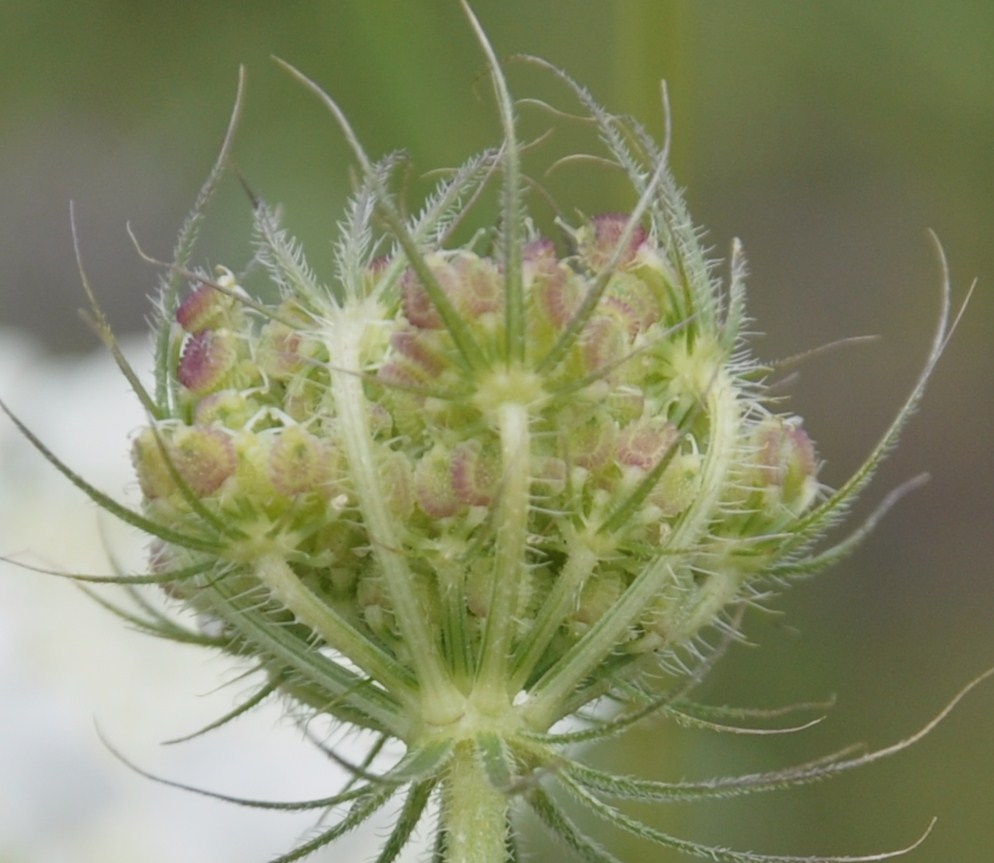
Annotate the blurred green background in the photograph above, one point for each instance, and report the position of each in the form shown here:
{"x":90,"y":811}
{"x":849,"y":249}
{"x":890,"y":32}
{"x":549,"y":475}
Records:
{"x":828,"y":136}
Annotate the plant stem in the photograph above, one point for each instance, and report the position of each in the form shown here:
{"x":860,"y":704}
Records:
{"x":509,"y":566}
{"x":474,"y":812}
{"x":442,"y":701}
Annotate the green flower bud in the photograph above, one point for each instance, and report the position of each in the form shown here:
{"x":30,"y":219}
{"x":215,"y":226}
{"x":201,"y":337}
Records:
{"x":298,"y":462}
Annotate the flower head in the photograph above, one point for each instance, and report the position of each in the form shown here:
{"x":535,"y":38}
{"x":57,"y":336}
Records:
{"x":461,"y":493}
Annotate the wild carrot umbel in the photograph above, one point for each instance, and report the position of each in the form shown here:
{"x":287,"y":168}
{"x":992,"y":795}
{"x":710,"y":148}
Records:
{"x":460,"y":494}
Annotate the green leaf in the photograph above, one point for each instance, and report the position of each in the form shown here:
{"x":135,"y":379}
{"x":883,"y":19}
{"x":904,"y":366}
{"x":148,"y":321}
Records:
{"x":254,"y":700}
{"x":712,"y":852}
{"x":284,"y":258}
{"x":407,"y":821}
{"x":563,"y":828}
{"x":497,"y":760}
{"x":334,"y":679}
{"x":832,"y":510}
{"x":657,"y":791}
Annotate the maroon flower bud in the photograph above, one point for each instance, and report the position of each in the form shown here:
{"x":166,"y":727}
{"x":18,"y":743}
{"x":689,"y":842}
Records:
{"x":201,"y":309}
{"x":207,"y":358}
{"x":476,"y":286}
{"x":643,"y":443}
{"x":418,"y":308}
{"x":558,"y":293}
{"x":597,"y":242}
{"x":475,"y":473}
{"x":633,"y":301}
{"x":604,"y":342}
{"x":417,"y":348}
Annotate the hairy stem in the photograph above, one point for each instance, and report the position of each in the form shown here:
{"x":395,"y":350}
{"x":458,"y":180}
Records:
{"x":442,"y":701}
{"x":474,"y":812}
{"x":509,"y":566}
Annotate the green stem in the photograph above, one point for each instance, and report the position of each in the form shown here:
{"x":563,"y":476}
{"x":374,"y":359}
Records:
{"x":555,"y":609}
{"x":274,"y":572}
{"x":510,"y":558}
{"x":474,"y":812}
{"x":442,"y":702}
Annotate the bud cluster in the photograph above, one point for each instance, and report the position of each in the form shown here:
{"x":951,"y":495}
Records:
{"x":638,"y":430}
{"x":462,"y":493}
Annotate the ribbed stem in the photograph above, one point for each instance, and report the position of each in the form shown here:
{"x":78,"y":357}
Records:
{"x":556,"y":608}
{"x":510,"y":557}
{"x":442,"y":702}
{"x":474,"y":812}
{"x":274,"y":572}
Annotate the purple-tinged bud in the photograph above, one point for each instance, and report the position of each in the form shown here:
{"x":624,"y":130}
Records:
{"x":202,"y":309}
{"x":598,"y":241}
{"x":786,"y":464}
{"x":558,"y":294}
{"x":634,"y":301}
{"x":416,"y":346}
{"x":207,"y":307}
{"x":604,"y":342}
{"x":476,"y":287}
{"x":433,"y":485}
{"x":207,"y":358}
{"x":418,"y":308}
{"x":298,"y":462}
{"x":643,"y":443}
{"x":399,"y":374}
{"x":538,"y":258}
{"x":475,"y":473}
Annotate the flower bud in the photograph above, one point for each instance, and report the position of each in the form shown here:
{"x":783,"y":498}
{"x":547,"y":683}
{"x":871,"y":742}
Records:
{"x":785,"y":466}
{"x":208,"y":358}
{"x":597,"y":242}
{"x":462,"y":492}
{"x":279,"y":351}
{"x":204,"y":457}
{"x":475,"y":473}
{"x":298,"y":462}
{"x":433,"y":484}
